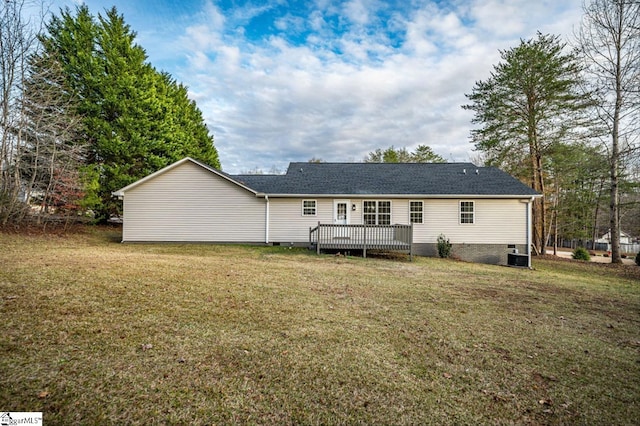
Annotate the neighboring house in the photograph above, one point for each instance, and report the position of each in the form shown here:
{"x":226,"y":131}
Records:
{"x":624,"y":238}
{"x":627,"y":243}
{"x":484,"y":212}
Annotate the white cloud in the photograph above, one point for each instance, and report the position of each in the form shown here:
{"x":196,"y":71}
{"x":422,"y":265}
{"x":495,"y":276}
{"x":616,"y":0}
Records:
{"x":290,"y":23}
{"x":339,"y":79}
{"x":503,"y":17}
{"x":522,"y":18}
{"x":275,"y":102}
{"x":357,"y":12}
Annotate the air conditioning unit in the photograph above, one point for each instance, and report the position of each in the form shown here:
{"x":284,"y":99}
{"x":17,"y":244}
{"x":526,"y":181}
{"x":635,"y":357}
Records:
{"x":516,"y":259}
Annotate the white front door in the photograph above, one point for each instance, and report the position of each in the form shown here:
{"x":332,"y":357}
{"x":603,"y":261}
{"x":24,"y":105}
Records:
{"x":341,"y":212}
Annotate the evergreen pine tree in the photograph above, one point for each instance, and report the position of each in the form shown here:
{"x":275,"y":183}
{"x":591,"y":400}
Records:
{"x":531,"y":102}
{"x":136,"y":120}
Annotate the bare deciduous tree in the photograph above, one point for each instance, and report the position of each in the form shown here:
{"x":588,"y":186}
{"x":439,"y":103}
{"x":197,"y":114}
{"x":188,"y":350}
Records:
{"x":51,"y":156}
{"x":531,"y":104}
{"x":609,"y":39}
{"x":36,"y":119}
{"x":17,"y":40}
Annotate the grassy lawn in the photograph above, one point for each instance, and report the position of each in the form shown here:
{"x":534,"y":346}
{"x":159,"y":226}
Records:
{"x":93,"y":331}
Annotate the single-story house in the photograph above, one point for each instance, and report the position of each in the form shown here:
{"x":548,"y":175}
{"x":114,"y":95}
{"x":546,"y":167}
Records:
{"x":627,"y":243}
{"x":484,"y":212}
{"x":624,"y":238}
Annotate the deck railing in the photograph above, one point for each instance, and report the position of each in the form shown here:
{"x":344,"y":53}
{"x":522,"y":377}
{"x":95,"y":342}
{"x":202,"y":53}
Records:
{"x":362,"y":237}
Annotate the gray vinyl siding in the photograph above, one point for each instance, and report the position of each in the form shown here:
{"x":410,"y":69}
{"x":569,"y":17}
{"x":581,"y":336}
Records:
{"x":189,"y":203}
{"x":400,"y":212}
{"x":497,"y":221}
{"x":287,"y":224}
{"x":356,"y":216}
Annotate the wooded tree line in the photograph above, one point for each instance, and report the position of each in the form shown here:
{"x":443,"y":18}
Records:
{"x":565,"y":119}
{"x":83,"y":113}
{"x":422,"y":154}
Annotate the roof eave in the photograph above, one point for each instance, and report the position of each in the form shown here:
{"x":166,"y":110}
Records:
{"x":442,"y":196}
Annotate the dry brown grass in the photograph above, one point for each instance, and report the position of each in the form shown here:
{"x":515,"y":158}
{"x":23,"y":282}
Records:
{"x":94,"y":331}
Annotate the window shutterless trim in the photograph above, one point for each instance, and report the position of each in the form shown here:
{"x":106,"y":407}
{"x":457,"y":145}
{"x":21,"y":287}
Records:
{"x":311,"y":209}
{"x":419,"y":211}
{"x":375,"y":214}
{"x":466,"y":212}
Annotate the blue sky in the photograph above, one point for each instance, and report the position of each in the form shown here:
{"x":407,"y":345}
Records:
{"x":288,"y":80}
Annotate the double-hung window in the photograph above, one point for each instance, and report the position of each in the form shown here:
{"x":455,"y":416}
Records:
{"x":308,"y":207}
{"x":415,"y":211}
{"x":377,"y":212}
{"x":467,"y":212}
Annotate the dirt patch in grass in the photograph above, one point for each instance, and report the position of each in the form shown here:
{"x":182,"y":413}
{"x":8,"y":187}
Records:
{"x":100,"y":332}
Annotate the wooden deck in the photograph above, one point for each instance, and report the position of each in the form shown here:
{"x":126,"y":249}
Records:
{"x":362,"y":237}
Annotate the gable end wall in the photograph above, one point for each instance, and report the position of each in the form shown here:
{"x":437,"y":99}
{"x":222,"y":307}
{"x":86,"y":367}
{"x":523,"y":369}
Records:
{"x":191,"y":204}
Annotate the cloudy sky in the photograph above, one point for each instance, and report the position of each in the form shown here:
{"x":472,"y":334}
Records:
{"x":289,"y":80}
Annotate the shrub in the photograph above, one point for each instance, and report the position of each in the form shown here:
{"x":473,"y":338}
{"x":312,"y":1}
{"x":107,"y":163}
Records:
{"x":638,"y":259}
{"x":581,"y":253}
{"x":444,"y":246}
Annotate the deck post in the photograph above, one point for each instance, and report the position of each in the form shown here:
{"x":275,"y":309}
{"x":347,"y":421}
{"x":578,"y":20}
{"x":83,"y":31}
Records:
{"x":318,"y":238}
{"x":411,"y":243}
{"x":364,"y":241}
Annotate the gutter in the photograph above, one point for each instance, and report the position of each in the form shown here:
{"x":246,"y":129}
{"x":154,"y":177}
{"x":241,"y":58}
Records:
{"x":528,"y":232}
{"x":403,"y":196}
{"x":266,"y":219}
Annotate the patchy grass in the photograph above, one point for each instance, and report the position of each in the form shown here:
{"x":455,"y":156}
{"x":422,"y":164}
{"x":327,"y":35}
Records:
{"x":94,"y":331}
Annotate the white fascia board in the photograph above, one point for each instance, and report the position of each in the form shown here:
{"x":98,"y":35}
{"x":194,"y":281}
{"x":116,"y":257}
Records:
{"x":430,"y":196}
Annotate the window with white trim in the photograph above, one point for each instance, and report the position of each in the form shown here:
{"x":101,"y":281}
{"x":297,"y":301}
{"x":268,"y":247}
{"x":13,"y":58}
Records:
{"x":415,"y":211}
{"x":309,"y":207}
{"x":467,"y":212}
{"x":377,"y":212}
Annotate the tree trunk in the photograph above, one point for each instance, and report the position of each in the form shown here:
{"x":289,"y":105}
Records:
{"x":614,"y":205}
{"x":615,"y":152}
{"x":595,"y":215}
{"x":543,"y":204}
{"x":554,"y":219}
{"x":536,"y":211}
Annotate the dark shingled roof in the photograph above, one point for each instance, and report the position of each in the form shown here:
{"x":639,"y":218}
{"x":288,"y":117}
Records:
{"x":437,"y":179}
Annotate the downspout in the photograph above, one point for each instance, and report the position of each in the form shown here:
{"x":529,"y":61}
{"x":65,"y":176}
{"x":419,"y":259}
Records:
{"x":529,"y":203}
{"x":266,"y":220}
